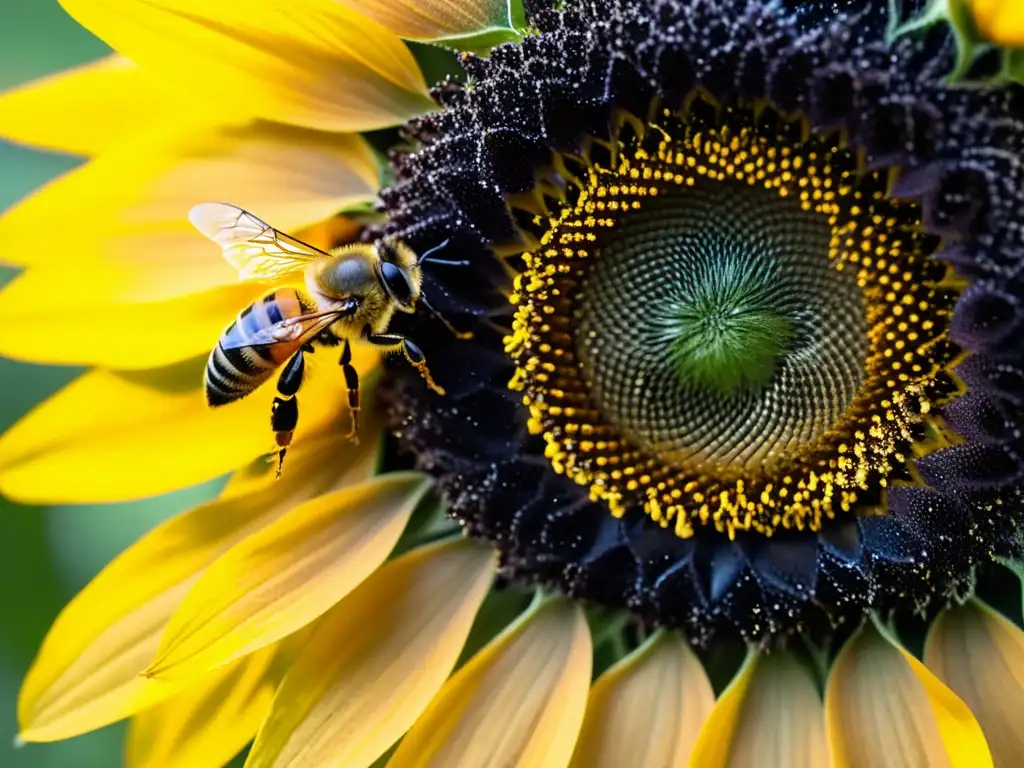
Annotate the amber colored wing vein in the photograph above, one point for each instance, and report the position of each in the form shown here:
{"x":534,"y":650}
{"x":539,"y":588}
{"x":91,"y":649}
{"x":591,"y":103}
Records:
{"x":297,"y":330}
{"x":250,"y":245}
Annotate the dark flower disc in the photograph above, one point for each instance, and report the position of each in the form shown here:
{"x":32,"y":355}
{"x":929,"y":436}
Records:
{"x":745,"y":292}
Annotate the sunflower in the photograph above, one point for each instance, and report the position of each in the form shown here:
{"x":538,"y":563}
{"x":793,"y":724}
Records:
{"x":727,"y":469}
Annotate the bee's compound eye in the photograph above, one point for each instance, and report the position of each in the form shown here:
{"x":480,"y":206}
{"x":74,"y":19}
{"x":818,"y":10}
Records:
{"x":396,"y":283}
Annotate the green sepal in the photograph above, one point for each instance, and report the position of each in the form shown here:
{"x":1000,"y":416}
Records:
{"x":429,"y":524}
{"x":1016,"y":565}
{"x":970,"y":43}
{"x":817,"y":659}
{"x":500,"y":608}
{"x":1013,"y":65}
{"x":912,"y":641}
{"x":480,"y":42}
{"x":517,"y":15}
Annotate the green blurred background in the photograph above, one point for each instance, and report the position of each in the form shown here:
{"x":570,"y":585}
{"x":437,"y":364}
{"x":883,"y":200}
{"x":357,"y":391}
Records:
{"x":48,"y":554}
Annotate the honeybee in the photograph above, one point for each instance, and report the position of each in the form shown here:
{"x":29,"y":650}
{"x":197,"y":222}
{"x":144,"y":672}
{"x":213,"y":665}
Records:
{"x":353,"y":292}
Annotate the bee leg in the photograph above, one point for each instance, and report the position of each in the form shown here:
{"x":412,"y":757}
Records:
{"x":411,"y":352}
{"x":352,"y":384}
{"x":284,"y":414}
{"x":417,"y":360}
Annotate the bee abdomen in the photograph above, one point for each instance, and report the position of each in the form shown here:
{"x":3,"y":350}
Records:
{"x":235,"y":367}
{"x":232,"y":374}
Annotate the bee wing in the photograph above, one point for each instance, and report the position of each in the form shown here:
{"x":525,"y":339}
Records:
{"x":253,"y":247}
{"x":296,"y":330}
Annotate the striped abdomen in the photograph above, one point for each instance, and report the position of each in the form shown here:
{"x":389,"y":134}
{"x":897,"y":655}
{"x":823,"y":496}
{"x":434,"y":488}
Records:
{"x":236,"y":366}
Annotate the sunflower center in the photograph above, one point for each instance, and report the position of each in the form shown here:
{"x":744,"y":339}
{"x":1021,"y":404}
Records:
{"x":711,"y":327}
{"x":728,"y":323}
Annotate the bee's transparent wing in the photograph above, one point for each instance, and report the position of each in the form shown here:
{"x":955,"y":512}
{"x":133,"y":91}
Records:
{"x":253,"y":247}
{"x":296,"y":330}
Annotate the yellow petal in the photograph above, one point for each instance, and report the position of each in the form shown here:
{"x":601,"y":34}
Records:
{"x":376,"y":660}
{"x":646,"y":710}
{"x":100,"y":324}
{"x":518,"y":703}
{"x":112,"y":436}
{"x":883,"y":707}
{"x":92,"y":330}
{"x":770,"y":715}
{"x":128,"y":208}
{"x":209,"y":723}
{"x":290,"y":573}
{"x":434,"y":19}
{"x":980,"y":655}
{"x":313,"y":63}
{"x":1001,"y":21}
{"x":88,"y":671}
{"x":324,"y":462}
{"x":90,"y":109}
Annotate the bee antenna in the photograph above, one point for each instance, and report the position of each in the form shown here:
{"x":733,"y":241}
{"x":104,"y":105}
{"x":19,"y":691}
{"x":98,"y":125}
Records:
{"x":455,"y":331}
{"x":448,"y":262}
{"x":435,"y":249}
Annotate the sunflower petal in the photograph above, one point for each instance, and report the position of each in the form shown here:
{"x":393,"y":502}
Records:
{"x":883,"y":707}
{"x":646,"y":710}
{"x":93,"y":330}
{"x":129,"y":207}
{"x":518,"y":702}
{"x":1000,"y":21}
{"x":209,"y":723}
{"x":980,"y":655}
{"x":88,"y":671}
{"x":435,"y":19}
{"x":770,"y":715}
{"x":112,"y":436}
{"x":376,"y":660}
{"x":313,"y":63}
{"x":82,"y":110}
{"x":290,"y":573}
